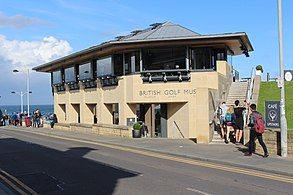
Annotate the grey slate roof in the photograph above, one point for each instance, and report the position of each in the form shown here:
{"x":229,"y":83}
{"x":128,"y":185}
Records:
{"x":161,"y":31}
{"x":166,"y":31}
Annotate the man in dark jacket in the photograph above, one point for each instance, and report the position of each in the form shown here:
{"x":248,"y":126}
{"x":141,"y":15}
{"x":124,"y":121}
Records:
{"x":254,"y":134}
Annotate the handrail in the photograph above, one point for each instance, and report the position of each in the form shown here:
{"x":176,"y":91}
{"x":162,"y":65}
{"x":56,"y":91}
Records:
{"x":251,"y":82}
{"x":213,"y":100}
{"x":249,"y":93}
{"x":179,"y":129}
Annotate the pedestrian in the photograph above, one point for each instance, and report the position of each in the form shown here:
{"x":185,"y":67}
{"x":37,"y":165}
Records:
{"x":239,"y":121}
{"x":1,"y":118}
{"x":53,"y":120}
{"x":34,"y":119}
{"x":144,"y":130}
{"x":14,"y":119}
{"x":230,"y":122}
{"x":20,"y":118}
{"x":221,"y":112}
{"x":257,"y":127}
{"x":38,"y":117}
{"x":6,"y":118}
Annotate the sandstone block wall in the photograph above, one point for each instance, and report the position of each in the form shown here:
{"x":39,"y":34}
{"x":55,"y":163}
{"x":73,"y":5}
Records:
{"x":272,"y":140}
{"x":100,"y":129}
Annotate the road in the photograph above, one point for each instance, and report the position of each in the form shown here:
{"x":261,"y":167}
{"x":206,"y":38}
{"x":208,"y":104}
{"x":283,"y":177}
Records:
{"x":53,"y":165}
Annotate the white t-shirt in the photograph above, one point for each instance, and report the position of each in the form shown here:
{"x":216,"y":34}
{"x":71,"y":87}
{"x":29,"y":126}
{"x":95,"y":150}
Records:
{"x":224,"y":108}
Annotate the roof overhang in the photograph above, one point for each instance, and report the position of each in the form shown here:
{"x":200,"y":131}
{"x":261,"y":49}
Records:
{"x":238,"y":43}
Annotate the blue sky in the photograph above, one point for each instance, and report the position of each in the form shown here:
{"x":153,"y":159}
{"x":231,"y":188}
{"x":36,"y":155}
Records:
{"x":34,"y":32}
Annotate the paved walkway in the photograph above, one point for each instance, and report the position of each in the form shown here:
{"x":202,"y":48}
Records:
{"x":225,"y":154}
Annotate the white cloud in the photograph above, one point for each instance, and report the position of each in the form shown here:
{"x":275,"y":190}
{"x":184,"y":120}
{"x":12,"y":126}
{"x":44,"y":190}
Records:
{"x":32,"y":53}
{"x":19,"y":21}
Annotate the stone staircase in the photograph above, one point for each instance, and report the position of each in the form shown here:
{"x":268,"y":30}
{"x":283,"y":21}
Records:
{"x":217,"y":138}
{"x":237,"y":91}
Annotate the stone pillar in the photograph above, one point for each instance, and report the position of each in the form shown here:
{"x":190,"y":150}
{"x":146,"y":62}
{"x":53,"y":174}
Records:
{"x":126,"y":111}
{"x":200,"y":116}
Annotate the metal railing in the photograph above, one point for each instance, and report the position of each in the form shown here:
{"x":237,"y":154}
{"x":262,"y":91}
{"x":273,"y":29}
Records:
{"x":165,"y":75}
{"x":250,"y":88}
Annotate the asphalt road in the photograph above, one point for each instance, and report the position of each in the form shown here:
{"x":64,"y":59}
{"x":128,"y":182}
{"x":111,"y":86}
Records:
{"x":58,"y":166}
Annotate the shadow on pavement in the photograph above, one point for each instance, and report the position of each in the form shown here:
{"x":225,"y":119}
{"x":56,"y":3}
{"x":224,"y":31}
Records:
{"x":49,"y":171}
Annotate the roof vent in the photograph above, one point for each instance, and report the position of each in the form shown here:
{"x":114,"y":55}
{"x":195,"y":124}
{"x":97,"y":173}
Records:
{"x":119,"y":37}
{"x":136,"y":31}
{"x":155,"y":25}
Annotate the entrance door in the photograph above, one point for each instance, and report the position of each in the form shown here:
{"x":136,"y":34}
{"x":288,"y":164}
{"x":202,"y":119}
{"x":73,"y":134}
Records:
{"x":160,"y":111}
{"x":155,"y":118}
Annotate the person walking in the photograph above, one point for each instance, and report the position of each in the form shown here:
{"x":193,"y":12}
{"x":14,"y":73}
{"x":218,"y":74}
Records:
{"x":230,"y":122}
{"x":256,"y":124}
{"x":239,"y":121}
{"x":54,"y":120}
{"x":144,"y":130}
{"x":222,"y":110}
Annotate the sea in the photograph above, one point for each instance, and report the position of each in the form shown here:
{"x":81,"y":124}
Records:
{"x":10,"y":109}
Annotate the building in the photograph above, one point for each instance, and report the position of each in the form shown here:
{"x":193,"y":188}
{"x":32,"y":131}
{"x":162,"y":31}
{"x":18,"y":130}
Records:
{"x":166,"y":75}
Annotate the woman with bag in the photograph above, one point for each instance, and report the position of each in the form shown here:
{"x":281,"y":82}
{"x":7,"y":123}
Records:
{"x":230,"y":121}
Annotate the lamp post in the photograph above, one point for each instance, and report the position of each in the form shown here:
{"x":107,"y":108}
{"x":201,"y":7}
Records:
{"x":282,"y":102}
{"x":27,"y":89}
{"x":21,"y":94}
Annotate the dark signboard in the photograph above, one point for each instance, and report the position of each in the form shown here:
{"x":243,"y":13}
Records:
{"x":288,"y":75}
{"x":272,"y":113}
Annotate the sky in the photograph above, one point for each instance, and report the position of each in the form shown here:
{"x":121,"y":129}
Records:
{"x":34,"y":32}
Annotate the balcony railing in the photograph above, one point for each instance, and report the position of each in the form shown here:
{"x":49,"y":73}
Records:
{"x":72,"y":85}
{"x":165,"y":75}
{"x":108,"y":80}
{"x":59,"y":87}
{"x":89,"y":83}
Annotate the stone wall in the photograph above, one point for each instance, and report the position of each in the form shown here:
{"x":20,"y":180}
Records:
{"x":272,"y":140}
{"x":112,"y":130}
{"x":100,"y":129}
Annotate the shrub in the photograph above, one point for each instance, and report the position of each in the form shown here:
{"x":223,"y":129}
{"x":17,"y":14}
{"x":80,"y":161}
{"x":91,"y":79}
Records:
{"x":259,"y":67}
{"x":136,"y":126}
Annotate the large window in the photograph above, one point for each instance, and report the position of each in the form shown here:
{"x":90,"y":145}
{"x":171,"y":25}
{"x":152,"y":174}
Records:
{"x":70,"y":75}
{"x":118,"y":64}
{"x":201,"y":58}
{"x":132,"y":62}
{"x":115,"y":113}
{"x":206,"y":58}
{"x":164,"y":58}
{"x":85,"y":71}
{"x":104,"y":66}
{"x":56,"y":77}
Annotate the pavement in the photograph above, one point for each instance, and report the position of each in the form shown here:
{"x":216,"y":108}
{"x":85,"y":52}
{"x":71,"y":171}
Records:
{"x":229,"y":154}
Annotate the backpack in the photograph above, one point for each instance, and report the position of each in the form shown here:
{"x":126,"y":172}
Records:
{"x":259,"y":124}
{"x":219,"y":111}
{"x":228,"y":117}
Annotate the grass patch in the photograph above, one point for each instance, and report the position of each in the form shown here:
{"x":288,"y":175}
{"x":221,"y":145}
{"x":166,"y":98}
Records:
{"x":270,"y":91}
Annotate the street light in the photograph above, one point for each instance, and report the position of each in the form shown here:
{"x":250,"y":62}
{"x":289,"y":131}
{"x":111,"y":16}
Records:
{"x":21,"y":94}
{"x":284,"y":148}
{"x":27,"y":89}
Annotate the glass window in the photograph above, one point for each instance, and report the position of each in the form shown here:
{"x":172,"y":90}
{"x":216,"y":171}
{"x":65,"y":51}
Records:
{"x":85,"y":71}
{"x":70,"y":75}
{"x":104,"y":66}
{"x":164,"y":58}
{"x":118,"y":64}
{"x":127,"y":63}
{"x":57,"y":77}
{"x":201,"y":58}
{"x":136,"y":59}
{"x":115,"y":113}
{"x":221,"y":54}
{"x":132,"y":62}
